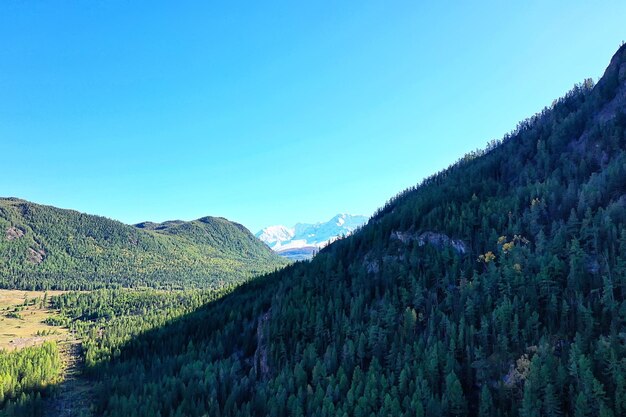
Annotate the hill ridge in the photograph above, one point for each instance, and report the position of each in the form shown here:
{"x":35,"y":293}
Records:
{"x":63,"y":248}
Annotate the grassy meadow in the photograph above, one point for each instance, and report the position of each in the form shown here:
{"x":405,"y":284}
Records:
{"x":22,"y":319}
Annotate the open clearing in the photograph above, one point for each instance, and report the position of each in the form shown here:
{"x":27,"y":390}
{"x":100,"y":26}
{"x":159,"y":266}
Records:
{"x":21,"y":319}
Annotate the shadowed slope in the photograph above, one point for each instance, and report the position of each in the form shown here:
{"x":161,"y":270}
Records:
{"x":44,"y":247}
{"x":495,"y":287}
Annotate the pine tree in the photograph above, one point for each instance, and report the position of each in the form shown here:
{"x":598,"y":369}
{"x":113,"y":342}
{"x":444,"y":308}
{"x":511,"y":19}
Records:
{"x":454,"y":395}
{"x":581,"y":406}
{"x":485,"y":408}
{"x":551,"y":404}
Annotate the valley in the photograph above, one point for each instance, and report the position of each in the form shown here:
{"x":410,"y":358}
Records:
{"x":495,"y":287}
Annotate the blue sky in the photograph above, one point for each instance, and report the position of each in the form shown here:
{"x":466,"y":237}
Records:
{"x":272,"y":112}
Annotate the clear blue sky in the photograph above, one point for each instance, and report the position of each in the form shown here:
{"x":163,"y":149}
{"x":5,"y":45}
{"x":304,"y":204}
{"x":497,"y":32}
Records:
{"x":272,"y":112}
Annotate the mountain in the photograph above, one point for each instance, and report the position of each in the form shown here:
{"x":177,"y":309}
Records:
{"x":496,"y":287}
{"x":45,"y":247}
{"x":304,"y":239}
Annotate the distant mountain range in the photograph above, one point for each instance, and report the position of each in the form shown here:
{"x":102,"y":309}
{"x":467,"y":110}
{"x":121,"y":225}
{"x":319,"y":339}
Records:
{"x":304,"y":239}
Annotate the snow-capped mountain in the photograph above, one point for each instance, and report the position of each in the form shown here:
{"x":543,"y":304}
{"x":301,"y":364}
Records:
{"x":272,"y":235}
{"x":304,"y":239}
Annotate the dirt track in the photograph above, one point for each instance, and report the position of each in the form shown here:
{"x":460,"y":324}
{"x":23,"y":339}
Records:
{"x":73,"y":395}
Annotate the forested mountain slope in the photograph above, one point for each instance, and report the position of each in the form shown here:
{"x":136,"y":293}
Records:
{"x":494,"y":288}
{"x":43,"y":247}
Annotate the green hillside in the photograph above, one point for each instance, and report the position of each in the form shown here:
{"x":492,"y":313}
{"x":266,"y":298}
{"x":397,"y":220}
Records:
{"x":493,"y":288}
{"x":43,"y":247}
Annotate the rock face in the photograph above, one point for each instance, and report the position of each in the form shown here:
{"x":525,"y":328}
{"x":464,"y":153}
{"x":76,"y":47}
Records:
{"x":35,"y":256}
{"x":439,"y":240}
{"x":14,"y":233}
{"x":614,"y":79}
{"x":261,"y":366}
{"x":436,"y":239}
{"x":612,"y":89}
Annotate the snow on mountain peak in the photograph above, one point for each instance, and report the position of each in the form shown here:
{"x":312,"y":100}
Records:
{"x":305,"y":238}
{"x":275,"y":234}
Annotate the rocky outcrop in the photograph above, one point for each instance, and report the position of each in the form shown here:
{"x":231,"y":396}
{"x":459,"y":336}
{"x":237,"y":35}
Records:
{"x":612,"y":86}
{"x":14,"y":233}
{"x":35,"y":256}
{"x":261,"y":366}
{"x":439,"y":240}
{"x":614,"y":81}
